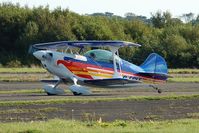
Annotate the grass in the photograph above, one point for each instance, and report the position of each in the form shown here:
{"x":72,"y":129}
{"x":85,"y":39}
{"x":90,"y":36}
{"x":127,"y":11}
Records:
{"x":86,"y":100}
{"x":184,"y":79}
{"x":22,"y":91}
{"x":22,"y":70}
{"x":17,"y":114}
{"x":193,"y":115}
{"x":15,"y":111}
{"x":184,"y":71}
{"x":118,"y":126}
{"x":29,"y":78}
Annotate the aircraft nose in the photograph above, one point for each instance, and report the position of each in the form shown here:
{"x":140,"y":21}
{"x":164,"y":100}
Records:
{"x":40,"y":55}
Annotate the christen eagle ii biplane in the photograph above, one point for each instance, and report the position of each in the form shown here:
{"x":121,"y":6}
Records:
{"x":97,"y":67}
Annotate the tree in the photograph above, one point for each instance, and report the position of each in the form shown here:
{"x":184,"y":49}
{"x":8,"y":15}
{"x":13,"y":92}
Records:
{"x":129,"y":15}
{"x":168,"y":36}
{"x":157,"y":20}
{"x":188,"y":17}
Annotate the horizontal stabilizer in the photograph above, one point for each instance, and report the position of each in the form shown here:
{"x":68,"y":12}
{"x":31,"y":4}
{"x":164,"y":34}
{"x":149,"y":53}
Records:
{"x":158,"y":76}
{"x":109,"y":82}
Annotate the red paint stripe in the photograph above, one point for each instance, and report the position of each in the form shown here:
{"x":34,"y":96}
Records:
{"x":84,"y":76}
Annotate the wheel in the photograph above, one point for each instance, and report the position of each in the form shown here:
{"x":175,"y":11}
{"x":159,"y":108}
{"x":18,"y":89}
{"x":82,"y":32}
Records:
{"x":159,"y":91}
{"x":77,"y":94}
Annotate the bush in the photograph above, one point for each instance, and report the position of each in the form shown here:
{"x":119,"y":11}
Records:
{"x":14,"y":63}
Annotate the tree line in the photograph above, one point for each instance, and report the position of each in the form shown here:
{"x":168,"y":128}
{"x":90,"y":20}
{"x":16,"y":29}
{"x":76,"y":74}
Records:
{"x":176,"y":40}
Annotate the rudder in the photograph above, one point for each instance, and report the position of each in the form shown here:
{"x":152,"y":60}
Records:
{"x":155,"y":64}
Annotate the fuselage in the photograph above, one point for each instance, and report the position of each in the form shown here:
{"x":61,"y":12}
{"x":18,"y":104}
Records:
{"x":87,"y":67}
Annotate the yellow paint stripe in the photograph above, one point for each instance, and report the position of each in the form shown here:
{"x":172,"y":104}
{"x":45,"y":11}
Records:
{"x":100,"y":70}
{"x":80,"y":72}
{"x":101,"y":75}
{"x":93,"y":74}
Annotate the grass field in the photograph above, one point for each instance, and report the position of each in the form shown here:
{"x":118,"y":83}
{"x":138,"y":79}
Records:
{"x":118,"y":126}
{"x":184,"y":71}
{"x":22,"y":70}
{"x":24,"y":78}
{"x":184,"y":79}
{"x":21,"y":91}
{"x":58,"y":126}
{"x":86,"y":100}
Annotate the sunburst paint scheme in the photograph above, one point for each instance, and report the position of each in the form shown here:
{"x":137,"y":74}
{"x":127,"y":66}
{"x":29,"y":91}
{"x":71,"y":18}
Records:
{"x":87,"y":68}
{"x":98,"y":67}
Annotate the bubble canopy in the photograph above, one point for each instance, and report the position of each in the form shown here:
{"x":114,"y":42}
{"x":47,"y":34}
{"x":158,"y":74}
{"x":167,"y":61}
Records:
{"x":101,"y":55}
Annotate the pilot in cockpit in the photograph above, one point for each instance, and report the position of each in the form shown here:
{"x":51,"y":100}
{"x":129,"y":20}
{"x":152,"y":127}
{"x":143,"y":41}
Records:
{"x":92,"y":55}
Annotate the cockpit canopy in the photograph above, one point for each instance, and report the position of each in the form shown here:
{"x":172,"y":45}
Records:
{"x":101,"y":55}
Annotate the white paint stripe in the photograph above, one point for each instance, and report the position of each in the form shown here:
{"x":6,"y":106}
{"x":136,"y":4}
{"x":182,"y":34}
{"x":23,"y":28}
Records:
{"x":91,"y":68}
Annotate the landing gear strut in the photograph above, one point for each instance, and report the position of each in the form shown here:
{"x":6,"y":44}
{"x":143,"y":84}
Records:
{"x":156,"y":88}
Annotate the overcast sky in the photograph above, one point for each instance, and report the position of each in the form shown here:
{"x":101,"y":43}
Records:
{"x":118,"y":7}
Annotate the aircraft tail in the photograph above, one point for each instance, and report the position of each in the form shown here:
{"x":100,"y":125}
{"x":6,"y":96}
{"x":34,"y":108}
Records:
{"x":155,"y":67}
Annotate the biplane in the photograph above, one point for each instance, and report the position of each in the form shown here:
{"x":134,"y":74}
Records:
{"x":96,"y":67}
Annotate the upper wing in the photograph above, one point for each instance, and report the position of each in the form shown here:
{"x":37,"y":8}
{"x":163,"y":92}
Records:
{"x":80,"y":44}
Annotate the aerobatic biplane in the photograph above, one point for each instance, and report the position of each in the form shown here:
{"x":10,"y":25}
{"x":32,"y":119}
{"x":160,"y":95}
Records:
{"x":97,"y":67}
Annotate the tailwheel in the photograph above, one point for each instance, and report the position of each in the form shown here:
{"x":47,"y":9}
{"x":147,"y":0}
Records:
{"x":159,"y":91}
{"x":156,"y":88}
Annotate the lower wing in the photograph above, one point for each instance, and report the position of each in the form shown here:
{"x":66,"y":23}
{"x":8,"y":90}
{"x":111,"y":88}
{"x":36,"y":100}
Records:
{"x":111,"y":82}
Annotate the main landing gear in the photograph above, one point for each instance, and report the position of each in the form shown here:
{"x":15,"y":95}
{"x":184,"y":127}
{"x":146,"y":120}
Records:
{"x":156,"y":88}
{"x":53,"y":90}
{"x":78,"y":89}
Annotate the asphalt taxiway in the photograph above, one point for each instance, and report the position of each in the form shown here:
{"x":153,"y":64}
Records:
{"x":107,"y":110}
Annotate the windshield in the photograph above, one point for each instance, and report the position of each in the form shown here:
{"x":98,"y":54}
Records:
{"x":100,"y":55}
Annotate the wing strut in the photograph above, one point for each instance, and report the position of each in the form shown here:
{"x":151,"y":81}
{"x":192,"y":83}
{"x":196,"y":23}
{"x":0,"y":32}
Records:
{"x":116,"y":73}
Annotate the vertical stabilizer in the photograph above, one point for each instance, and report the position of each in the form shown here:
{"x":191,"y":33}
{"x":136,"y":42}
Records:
{"x":155,"y":67}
